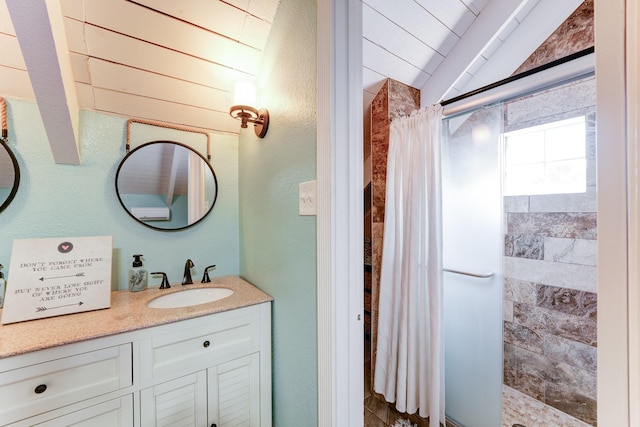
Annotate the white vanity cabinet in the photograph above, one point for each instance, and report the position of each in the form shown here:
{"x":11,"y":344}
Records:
{"x":209,"y":373}
{"x":203,"y":371}
{"x":223,"y":395}
{"x":47,"y":380}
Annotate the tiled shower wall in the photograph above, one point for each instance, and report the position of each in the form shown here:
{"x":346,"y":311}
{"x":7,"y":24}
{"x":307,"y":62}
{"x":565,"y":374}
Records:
{"x":393,"y":100}
{"x":550,"y":300}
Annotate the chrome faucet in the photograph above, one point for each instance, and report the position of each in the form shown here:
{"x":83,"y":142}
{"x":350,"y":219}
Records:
{"x":186,"y":279}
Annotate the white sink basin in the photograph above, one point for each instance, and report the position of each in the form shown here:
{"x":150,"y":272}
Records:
{"x":190,"y":297}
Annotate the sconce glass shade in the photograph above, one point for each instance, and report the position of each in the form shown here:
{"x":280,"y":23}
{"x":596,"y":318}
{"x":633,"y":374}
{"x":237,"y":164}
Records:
{"x":244,"y":93}
{"x":244,"y":98}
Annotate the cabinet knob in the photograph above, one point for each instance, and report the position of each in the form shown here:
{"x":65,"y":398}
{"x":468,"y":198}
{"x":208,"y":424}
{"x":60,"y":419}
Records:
{"x":206,"y":344}
{"x":214,"y":425}
{"x":41,"y":388}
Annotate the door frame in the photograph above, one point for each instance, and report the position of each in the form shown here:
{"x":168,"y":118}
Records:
{"x":340,"y":221}
{"x":340,"y":214}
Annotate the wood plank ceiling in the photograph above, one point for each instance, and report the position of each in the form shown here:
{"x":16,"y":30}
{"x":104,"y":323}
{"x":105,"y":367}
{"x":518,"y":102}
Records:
{"x":153,"y":59}
{"x":446,"y":48}
{"x":450,"y":47}
{"x":177,"y":61}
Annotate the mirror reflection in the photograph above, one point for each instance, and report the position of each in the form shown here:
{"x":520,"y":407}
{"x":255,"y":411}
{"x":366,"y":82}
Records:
{"x":166,"y":185}
{"x":9,"y":175}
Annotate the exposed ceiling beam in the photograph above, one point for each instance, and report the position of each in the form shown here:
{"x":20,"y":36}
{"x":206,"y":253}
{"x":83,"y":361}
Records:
{"x":173,"y":174}
{"x":486,"y":28}
{"x":40,"y":31}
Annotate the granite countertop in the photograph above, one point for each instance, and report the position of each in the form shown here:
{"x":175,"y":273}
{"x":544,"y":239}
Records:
{"x":128,"y":312}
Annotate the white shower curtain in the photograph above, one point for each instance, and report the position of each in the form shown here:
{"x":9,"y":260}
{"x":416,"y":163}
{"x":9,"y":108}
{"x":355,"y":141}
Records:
{"x":409,"y":368}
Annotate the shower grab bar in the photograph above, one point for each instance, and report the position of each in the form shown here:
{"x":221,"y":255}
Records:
{"x":467,"y":273}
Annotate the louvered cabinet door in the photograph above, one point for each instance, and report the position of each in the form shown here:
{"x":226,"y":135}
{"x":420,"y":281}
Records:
{"x":234,"y":392}
{"x":179,"y":402}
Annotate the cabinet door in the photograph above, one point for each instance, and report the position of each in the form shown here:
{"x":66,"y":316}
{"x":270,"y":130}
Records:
{"x":234,"y":393}
{"x":182,"y":402}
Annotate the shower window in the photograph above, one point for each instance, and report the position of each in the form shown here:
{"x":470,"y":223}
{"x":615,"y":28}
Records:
{"x":546,"y":159}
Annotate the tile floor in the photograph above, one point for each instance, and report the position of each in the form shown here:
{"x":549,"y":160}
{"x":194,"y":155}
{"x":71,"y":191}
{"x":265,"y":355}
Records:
{"x":517,"y":408}
{"x":377,"y":412}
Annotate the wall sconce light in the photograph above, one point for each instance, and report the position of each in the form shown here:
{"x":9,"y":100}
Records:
{"x":244,"y":98}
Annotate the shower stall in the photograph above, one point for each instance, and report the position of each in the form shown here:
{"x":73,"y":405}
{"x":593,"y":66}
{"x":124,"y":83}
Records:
{"x":519,"y":232}
{"x":519,"y":240}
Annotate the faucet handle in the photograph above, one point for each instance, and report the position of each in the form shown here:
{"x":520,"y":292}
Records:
{"x":165,"y":282}
{"x":205,"y":277}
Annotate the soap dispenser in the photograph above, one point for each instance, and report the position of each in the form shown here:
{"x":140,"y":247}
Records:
{"x":137,"y":275}
{"x":2,"y":285}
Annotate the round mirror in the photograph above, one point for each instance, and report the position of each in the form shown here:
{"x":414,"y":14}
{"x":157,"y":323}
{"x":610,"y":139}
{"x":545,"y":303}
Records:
{"x":166,"y":185}
{"x":9,"y":175}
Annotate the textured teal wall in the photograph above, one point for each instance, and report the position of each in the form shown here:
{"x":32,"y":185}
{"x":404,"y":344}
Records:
{"x":278,"y":247}
{"x":68,"y":200}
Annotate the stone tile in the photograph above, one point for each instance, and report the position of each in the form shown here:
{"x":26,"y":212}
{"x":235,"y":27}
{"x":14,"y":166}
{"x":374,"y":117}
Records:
{"x":378,"y":200}
{"x":575,"y":379}
{"x":379,"y":104}
{"x":379,"y":149}
{"x":570,"y":301}
{"x":570,"y":202}
{"x":542,"y":107}
{"x":377,"y":230}
{"x":507,"y":311}
{"x":542,"y":370}
{"x":591,"y":173}
{"x":520,"y":291}
{"x":530,"y":384}
{"x":516,"y":203}
{"x":528,"y":381}
{"x":509,"y":248}
{"x":571,"y":276}
{"x":572,"y":403}
{"x":377,"y":407}
{"x":572,"y":251}
{"x":556,"y":323}
{"x":523,"y":337}
{"x":403,"y":99}
{"x":571,"y":352}
{"x":532,"y":364}
{"x":510,"y":365}
{"x":573,"y":35}
{"x":370,"y":420}
{"x":522,"y":409}
{"x":554,"y":224}
{"x":524,"y":246}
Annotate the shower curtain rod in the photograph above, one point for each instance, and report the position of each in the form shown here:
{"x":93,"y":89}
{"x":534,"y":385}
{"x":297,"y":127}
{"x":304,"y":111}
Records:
{"x":570,"y":67}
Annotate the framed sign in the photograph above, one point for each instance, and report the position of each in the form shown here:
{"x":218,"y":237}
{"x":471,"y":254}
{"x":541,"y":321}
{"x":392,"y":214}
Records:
{"x":56,"y":276}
